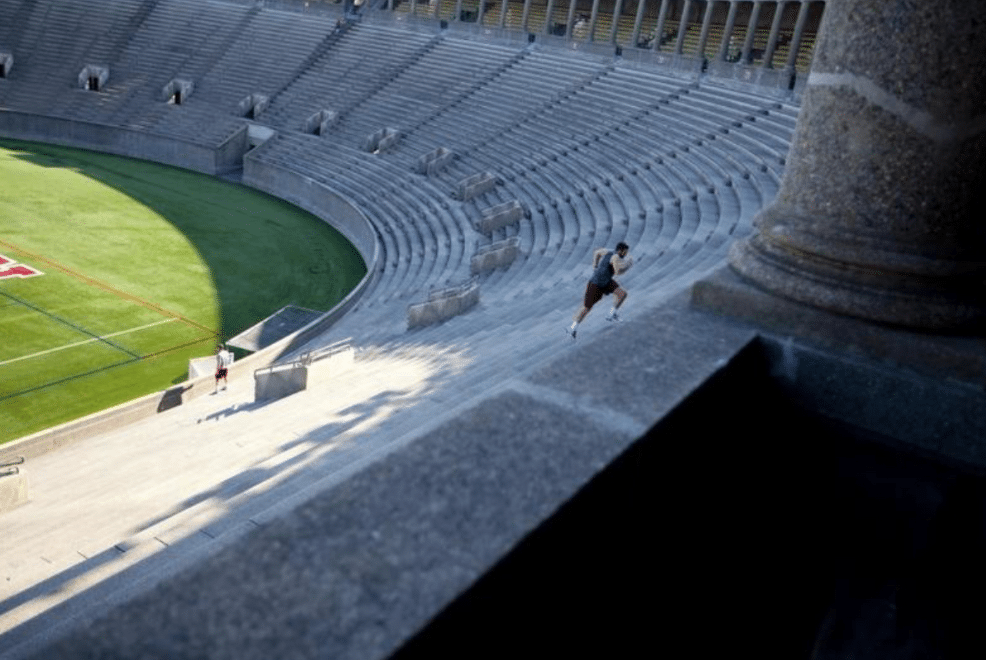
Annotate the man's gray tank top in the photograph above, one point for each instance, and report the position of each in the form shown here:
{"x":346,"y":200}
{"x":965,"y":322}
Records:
{"x":603,"y":274}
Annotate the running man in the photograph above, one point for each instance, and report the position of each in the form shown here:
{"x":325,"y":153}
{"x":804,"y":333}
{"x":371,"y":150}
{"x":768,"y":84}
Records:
{"x":606,"y":264}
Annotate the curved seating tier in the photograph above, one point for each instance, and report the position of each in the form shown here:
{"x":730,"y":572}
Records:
{"x":595,"y":150}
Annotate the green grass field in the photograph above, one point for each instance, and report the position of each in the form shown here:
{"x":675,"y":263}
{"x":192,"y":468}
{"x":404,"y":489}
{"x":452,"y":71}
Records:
{"x":144,"y":266}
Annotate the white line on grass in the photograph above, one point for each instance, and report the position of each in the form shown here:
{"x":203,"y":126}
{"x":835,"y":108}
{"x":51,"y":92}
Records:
{"x":85,"y":341}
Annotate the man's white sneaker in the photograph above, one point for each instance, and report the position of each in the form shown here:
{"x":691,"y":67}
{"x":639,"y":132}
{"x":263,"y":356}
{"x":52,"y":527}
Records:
{"x":570,"y":330}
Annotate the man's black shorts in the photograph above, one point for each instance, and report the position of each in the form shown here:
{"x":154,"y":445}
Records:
{"x":594,"y":294}
{"x":221,"y":372}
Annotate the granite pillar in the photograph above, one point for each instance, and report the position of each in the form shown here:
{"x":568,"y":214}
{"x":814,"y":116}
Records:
{"x":546,"y":29}
{"x":727,"y":32}
{"x":799,"y":31}
{"x":659,"y":27}
{"x":638,"y":21}
{"x":686,"y":11}
{"x":879,"y":212}
{"x":703,"y":38}
{"x":503,"y":13}
{"x":615,"y":26}
{"x":751,"y":33}
{"x":570,"y":20}
{"x":775,"y":31}
{"x":525,"y":15}
{"x":593,"y":17}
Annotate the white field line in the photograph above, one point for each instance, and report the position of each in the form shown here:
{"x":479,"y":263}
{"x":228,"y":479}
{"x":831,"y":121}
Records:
{"x":85,"y":341}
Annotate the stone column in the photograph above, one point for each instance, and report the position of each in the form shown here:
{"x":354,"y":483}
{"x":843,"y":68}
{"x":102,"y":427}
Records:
{"x":480,"y":11}
{"x":879,"y":214}
{"x":727,"y":31}
{"x":414,"y":7}
{"x":458,"y":11}
{"x":503,"y":13}
{"x":614,"y":28}
{"x":571,"y":19}
{"x":527,"y":12}
{"x":751,"y":33}
{"x":638,"y":22}
{"x":682,"y":26}
{"x":593,"y":15}
{"x":706,"y":25}
{"x":799,"y":31}
{"x":775,"y":31}
{"x":659,"y":28}
{"x":435,"y":12}
{"x":547,"y":17}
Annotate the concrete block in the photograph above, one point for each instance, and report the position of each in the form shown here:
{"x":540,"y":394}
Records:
{"x":13,"y":489}
{"x":203,"y":366}
{"x":177,"y":90}
{"x":381,"y":140}
{"x":443,"y":305}
{"x":93,"y":77}
{"x":501,"y":215}
{"x":495,"y":255}
{"x":278,"y":382}
{"x":434,"y":162}
{"x":320,"y":122}
{"x":253,"y":105}
{"x":476,"y":184}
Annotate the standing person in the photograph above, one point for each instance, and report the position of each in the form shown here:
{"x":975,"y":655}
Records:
{"x":223,"y":359}
{"x":606,"y":264}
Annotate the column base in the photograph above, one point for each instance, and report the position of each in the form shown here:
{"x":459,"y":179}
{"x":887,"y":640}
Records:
{"x":938,"y":304}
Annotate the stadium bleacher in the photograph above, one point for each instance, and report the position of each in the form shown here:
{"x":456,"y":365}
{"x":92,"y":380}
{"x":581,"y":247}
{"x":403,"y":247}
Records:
{"x":595,"y":148}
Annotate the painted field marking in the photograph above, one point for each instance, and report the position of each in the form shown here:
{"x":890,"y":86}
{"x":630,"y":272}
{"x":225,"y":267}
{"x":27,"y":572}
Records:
{"x":85,"y":341}
{"x":11,"y":268}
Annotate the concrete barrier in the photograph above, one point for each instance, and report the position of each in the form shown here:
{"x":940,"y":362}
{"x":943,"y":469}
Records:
{"x":279,"y":381}
{"x":433,"y":162}
{"x":207,"y":159}
{"x":13,"y":485}
{"x":476,"y":184}
{"x":495,"y":255}
{"x":93,"y":77}
{"x":499,"y":216}
{"x":381,"y":140}
{"x":320,"y":122}
{"x":252,"y":105}
{"x":442,"y":305}
{"x":177,"y":90}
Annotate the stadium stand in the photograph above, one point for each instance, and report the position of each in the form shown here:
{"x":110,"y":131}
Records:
{"x":592,"y":146}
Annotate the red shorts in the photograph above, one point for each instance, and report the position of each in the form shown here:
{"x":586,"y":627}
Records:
{"x":594,"y":294}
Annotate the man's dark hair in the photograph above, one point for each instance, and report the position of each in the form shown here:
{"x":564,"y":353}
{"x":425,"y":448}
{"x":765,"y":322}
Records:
{"x":622,"y":246}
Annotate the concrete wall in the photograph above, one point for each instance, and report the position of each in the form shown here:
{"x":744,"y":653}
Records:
{"x":123,"y":142}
